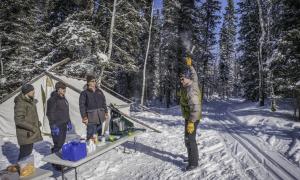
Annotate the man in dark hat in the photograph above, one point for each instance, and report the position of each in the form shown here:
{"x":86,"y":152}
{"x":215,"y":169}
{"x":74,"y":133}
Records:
{"x":190,"y":102}
{"x":58,"y":116}
{"x":93,"y":109}
{"x":26,"y":120}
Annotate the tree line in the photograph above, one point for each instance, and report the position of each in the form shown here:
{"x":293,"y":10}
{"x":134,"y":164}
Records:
{"x":250,"y":48}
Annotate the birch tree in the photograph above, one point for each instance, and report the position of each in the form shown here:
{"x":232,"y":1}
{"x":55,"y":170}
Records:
{"x":146,"y":57}
{"x":269,"y":48}
{"x":2,"y":78}
{"x":110,"y":39}
{"x":1,"y":62}
{"x":260,"y":54}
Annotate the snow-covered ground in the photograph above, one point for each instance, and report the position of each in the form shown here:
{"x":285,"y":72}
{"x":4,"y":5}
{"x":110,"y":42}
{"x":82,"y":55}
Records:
{"x":236,"y":140}
{"x":277,"y":129}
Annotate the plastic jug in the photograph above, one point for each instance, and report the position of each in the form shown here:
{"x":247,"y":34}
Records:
{"x":74,"y":151}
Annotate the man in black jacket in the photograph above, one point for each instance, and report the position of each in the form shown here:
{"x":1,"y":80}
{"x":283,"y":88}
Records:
{"x":58,"y":116}
{"x":93,"y":109}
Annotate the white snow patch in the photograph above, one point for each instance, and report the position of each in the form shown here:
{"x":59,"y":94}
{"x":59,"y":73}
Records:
{"x":102,"y":57}
{"x":272,"y":140}
{"x":2,"y":80}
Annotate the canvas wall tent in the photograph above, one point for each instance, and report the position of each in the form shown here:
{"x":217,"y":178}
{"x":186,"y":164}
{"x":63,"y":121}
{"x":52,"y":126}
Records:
{"x":43,"y":85}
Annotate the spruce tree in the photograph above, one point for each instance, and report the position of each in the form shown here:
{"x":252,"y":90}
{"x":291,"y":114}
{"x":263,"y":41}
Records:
{"x":286,"y":55}
{"x":76,"y":38}
{"x":169,"y":50}
{"x":227,"y":54}
{"x":210,"y":18}
{"x":249,"y":34}
{"x":19,"y":29}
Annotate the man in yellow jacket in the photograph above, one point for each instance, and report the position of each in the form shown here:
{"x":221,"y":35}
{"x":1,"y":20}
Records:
{"x":191,"y":105}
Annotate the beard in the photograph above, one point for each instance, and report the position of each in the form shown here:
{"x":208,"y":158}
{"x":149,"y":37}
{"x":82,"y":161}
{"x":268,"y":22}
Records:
{"x":31,"y":97}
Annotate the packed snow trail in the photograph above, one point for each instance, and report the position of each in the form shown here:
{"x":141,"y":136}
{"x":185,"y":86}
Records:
{"x":273,"y":161}
{"x":275,"y":165}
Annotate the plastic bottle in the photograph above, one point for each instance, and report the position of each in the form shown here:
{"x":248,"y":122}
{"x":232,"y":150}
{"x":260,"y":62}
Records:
{"x":91,"y":147}
{"x":96,"y":139}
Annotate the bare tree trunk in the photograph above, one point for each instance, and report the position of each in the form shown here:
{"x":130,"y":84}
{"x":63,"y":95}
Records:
{"x":1,"y":62}
{"x":272,"y":92}
{"x":146,"y":58}
{"x":110,"y":39}
{"x":260,"y":65}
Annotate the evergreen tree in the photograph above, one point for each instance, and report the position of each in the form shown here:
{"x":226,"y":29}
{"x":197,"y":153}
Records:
{"x":249,"y":34}
{"x":227,"y":54}
{"x":197,"y":39}
{"x":285,"y":58}
{"x":185,"y":24}
{"x":20,"y":28}
{"x":210,"y":18}
{"x":155,"y":65}
{"x":169,"y":51}
{"x":237,"y":81}
{"x":77,"y":38}
{"x":129,"y":43}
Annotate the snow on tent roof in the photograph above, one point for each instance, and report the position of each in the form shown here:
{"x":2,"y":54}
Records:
{"x":44,"y":85}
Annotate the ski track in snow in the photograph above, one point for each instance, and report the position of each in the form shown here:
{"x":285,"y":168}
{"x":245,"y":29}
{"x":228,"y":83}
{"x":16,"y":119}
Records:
{"x":227,"y":150}
{"x":272,"y":161}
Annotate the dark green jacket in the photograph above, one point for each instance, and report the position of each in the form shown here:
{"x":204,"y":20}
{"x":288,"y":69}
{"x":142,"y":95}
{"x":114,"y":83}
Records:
{"x":26,"y":120}
{"x":191,"y":99}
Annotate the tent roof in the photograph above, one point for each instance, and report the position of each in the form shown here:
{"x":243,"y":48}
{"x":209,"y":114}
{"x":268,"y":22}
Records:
{"x":75,"y":86}
{"x":42,"y":90}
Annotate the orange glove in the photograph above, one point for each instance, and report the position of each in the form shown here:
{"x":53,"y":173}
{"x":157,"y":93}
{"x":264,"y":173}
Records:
{"x":190,"y":127}
{"x":189,"y":61}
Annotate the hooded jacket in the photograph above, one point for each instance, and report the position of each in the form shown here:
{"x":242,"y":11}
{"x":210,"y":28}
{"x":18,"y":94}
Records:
{"x":26,"y":120}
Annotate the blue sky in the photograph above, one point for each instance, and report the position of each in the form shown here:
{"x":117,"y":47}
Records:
{"x":158,"y":4}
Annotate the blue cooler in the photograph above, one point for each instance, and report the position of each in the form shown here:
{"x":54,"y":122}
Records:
{"x":74,"y":151}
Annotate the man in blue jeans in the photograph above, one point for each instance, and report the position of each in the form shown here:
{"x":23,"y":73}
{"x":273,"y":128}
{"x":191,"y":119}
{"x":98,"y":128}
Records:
{"x":93,"y":109}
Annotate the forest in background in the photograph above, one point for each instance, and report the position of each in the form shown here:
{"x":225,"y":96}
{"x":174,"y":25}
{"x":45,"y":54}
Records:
{"x":255,"y":54}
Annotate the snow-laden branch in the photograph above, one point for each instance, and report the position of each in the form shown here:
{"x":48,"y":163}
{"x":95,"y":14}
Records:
{"x":103,"y":7}
{"x":119,"y":2}
{"x":123,"y":52}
